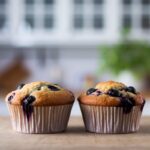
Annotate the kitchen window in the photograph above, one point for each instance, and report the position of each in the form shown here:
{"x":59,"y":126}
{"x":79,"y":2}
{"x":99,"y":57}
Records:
{"x":39,"y":14}
{"x":3,"y":14}
{"x":88,"y":14}
{"x":136,"y":14}
{"x":145,"y":22}
{"x":48,"y":22}
{"x":145,"y":16}
{"x":127,"y":21}
{"x":127,"y":14}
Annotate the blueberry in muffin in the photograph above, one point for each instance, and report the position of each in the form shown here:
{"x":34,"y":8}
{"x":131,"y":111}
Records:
{"x":40,"y":101}
{"x":112,"y":94}
{"x":109,"y":100}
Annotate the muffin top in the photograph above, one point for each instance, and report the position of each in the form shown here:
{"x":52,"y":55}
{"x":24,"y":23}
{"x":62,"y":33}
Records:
{"x":40,"y":94}
{"x":112,"y":93}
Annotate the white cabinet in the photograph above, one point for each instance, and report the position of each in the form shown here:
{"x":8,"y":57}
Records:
{"x":71,"y":22}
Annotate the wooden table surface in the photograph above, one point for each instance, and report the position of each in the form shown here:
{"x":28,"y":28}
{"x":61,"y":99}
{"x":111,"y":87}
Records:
{"x":74,"y":138}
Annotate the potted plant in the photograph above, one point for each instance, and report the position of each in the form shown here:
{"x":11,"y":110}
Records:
{"x":130,"y":55}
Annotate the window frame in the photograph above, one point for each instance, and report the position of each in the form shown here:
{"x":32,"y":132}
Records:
{"x":40,"y":11}
{"x":88,"y":16}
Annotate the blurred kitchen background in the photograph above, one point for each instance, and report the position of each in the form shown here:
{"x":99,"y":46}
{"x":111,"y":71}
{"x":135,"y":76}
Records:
{"x":74,"y":43}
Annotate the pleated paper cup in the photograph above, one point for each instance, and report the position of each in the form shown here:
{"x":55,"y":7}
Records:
{"x":43,"y":119}
{"x":100,"y":119}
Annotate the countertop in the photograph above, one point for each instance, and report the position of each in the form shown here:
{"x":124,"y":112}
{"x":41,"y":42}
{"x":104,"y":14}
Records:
{"x":74,"y":138}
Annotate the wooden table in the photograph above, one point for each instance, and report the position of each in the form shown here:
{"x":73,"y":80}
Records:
{"x":74,"y":139}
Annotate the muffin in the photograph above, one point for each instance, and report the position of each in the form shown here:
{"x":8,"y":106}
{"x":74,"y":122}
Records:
{"x":39,"y":107}
{"x":111,"y":107}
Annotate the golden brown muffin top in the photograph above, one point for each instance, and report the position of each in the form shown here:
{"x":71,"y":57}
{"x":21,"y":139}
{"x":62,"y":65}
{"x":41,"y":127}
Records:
{"x":105,"y":86}
{"x":112,"y":93}
{"x":40,"y":94}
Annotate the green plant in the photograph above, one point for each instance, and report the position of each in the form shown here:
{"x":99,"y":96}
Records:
{"x":126,"y":55}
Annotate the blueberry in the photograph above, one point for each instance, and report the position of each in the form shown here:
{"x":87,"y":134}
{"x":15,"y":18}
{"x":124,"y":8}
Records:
{"x":131,"y":89}
{"x":98,"y":93}
{"x":27,"y":107}
{"x":113,"y":92}
{"x":127,"y":104}
{"x":90,"y":91}
{"x":10,"y":98}
{"x":39,"y":88}
{"x":30,"y":99}
{"x":20,"y":86}
{"x":132,"y":100}
{"x":53,"y":88}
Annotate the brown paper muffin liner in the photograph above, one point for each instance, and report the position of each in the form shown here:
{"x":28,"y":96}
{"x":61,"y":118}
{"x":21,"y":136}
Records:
{"x":101,"y":119}
{"x":43,"y":119}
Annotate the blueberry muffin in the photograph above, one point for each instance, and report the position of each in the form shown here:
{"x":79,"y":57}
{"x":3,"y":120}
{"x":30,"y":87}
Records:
{"x":40,"y":107}
{"x":111,"y":107}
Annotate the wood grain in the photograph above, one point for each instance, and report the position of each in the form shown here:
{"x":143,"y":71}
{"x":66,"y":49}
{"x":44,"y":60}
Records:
{"x":74,"y":138}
